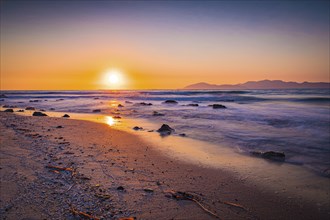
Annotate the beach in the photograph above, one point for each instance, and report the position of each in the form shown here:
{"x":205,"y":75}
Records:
{"x":62,"y":168}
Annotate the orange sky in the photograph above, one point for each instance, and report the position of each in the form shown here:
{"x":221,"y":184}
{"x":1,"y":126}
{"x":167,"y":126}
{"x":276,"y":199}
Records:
{"x":167,"y":47}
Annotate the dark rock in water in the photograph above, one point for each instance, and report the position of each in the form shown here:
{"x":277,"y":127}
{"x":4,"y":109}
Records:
{"x":120,"y":105}
{"x":194,"y":105}
{"x":97,"y":110}
{"x":120,"y":188}
{"x":9,"y":110}
{"x":3,"y":96}
{"x":5,"y":106}
{"x":165,"y":129}
{"x":36,"y":100}
{"x":128,"y":102}
{"x":136,"y":128}
{"x":42,"y":110}
{"x":66,"y":116}
{"x":52,"y":109}
{"x":59,"y":100}
{"x":143,"y":103}
{"x":171,"y":102}
{"x":30,"y":108}
{"x":20,"y":110}
{"x":183,"y":135}
{"x":116,"y":117}
{"x":96,"y":98}
{"x":215,"y":106}
{"x":272,"y":155}
{"x":39,"y":114}
{"x":1,"y":100}
{"x":155,"y":113}
{"x":59,"y":126}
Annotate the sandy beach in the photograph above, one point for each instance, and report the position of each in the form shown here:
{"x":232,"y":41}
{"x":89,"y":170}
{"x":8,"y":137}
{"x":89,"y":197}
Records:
{"x":59,"y":168}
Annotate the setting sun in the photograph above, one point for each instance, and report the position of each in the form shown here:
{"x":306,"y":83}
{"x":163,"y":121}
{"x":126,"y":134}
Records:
{"x":113,"y":79}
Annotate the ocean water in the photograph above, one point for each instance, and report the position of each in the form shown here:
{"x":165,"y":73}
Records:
{"x":296,"y":122}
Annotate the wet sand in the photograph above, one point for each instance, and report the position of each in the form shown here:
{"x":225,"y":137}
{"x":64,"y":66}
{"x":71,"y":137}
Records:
{"x":114,"y":174}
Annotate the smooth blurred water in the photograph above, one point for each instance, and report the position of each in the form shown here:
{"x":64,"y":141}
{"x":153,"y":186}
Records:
{"x":296,"y":122}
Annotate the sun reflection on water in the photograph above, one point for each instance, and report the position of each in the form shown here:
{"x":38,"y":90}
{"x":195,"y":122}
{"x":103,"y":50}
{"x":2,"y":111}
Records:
{"x":110,"y":120}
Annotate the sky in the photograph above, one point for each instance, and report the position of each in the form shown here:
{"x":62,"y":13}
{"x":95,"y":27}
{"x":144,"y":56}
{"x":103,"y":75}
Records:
{"x":68,"y":45}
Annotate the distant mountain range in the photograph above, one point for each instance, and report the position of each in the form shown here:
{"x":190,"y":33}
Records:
{"x":264,"y":84}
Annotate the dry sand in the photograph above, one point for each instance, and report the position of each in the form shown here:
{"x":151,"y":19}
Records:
{"x":104,"y":159}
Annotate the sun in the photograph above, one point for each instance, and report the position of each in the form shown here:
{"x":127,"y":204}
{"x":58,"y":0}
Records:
{"x":113,"y":78}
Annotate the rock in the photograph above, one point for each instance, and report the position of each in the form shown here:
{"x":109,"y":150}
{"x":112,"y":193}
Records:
{"x":193,"y":105}
{"x":120,"y":105}
{"x":182,"y":134}
{"x":3,"y":96}
{"x":128,"y":102}
{"x":97,"y":110}
{"x":59,"y":126}
{"x":143,"y":103}
{"x":39,"y":114}
{"x":20,"y":110}
{"x":116,"y":117}
{"x":30,"y":108}
{"x":52,"y":109}
{"x":155,"y":113}
{"x":9,"y":110}
{"x":171,"y":102}
{"x":272,"y":155}
{"x":136,"y":128}
{"x":165,"y":129}
{"x":121,"y":188}
{"x":36,"y":100}
{"x":215,"y":106}
{"x":96,"y":98}
{"x":66,"y":116}
{"x":1,"y":100}
{"x":148,"y":190}
{"x":42,"y":110}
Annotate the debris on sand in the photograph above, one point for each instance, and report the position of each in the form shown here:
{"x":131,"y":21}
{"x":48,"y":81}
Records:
{"x":9,"y":110}
{"x":66,"y":116}
{"x":178,"y":195}
{"x":82,"y":214}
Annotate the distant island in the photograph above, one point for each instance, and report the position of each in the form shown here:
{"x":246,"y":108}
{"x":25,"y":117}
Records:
{"x":264,"y":84}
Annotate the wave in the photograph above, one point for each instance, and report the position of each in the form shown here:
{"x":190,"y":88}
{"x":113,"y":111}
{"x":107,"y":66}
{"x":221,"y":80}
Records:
{"x":313,"y":99}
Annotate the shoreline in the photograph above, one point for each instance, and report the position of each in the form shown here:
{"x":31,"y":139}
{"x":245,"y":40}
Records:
{"x":285,"y":179}
{"x":112,"y":158}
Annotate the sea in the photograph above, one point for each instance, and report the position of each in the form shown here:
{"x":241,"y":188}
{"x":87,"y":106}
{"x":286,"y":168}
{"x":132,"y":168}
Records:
{"x":293,"y":121}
